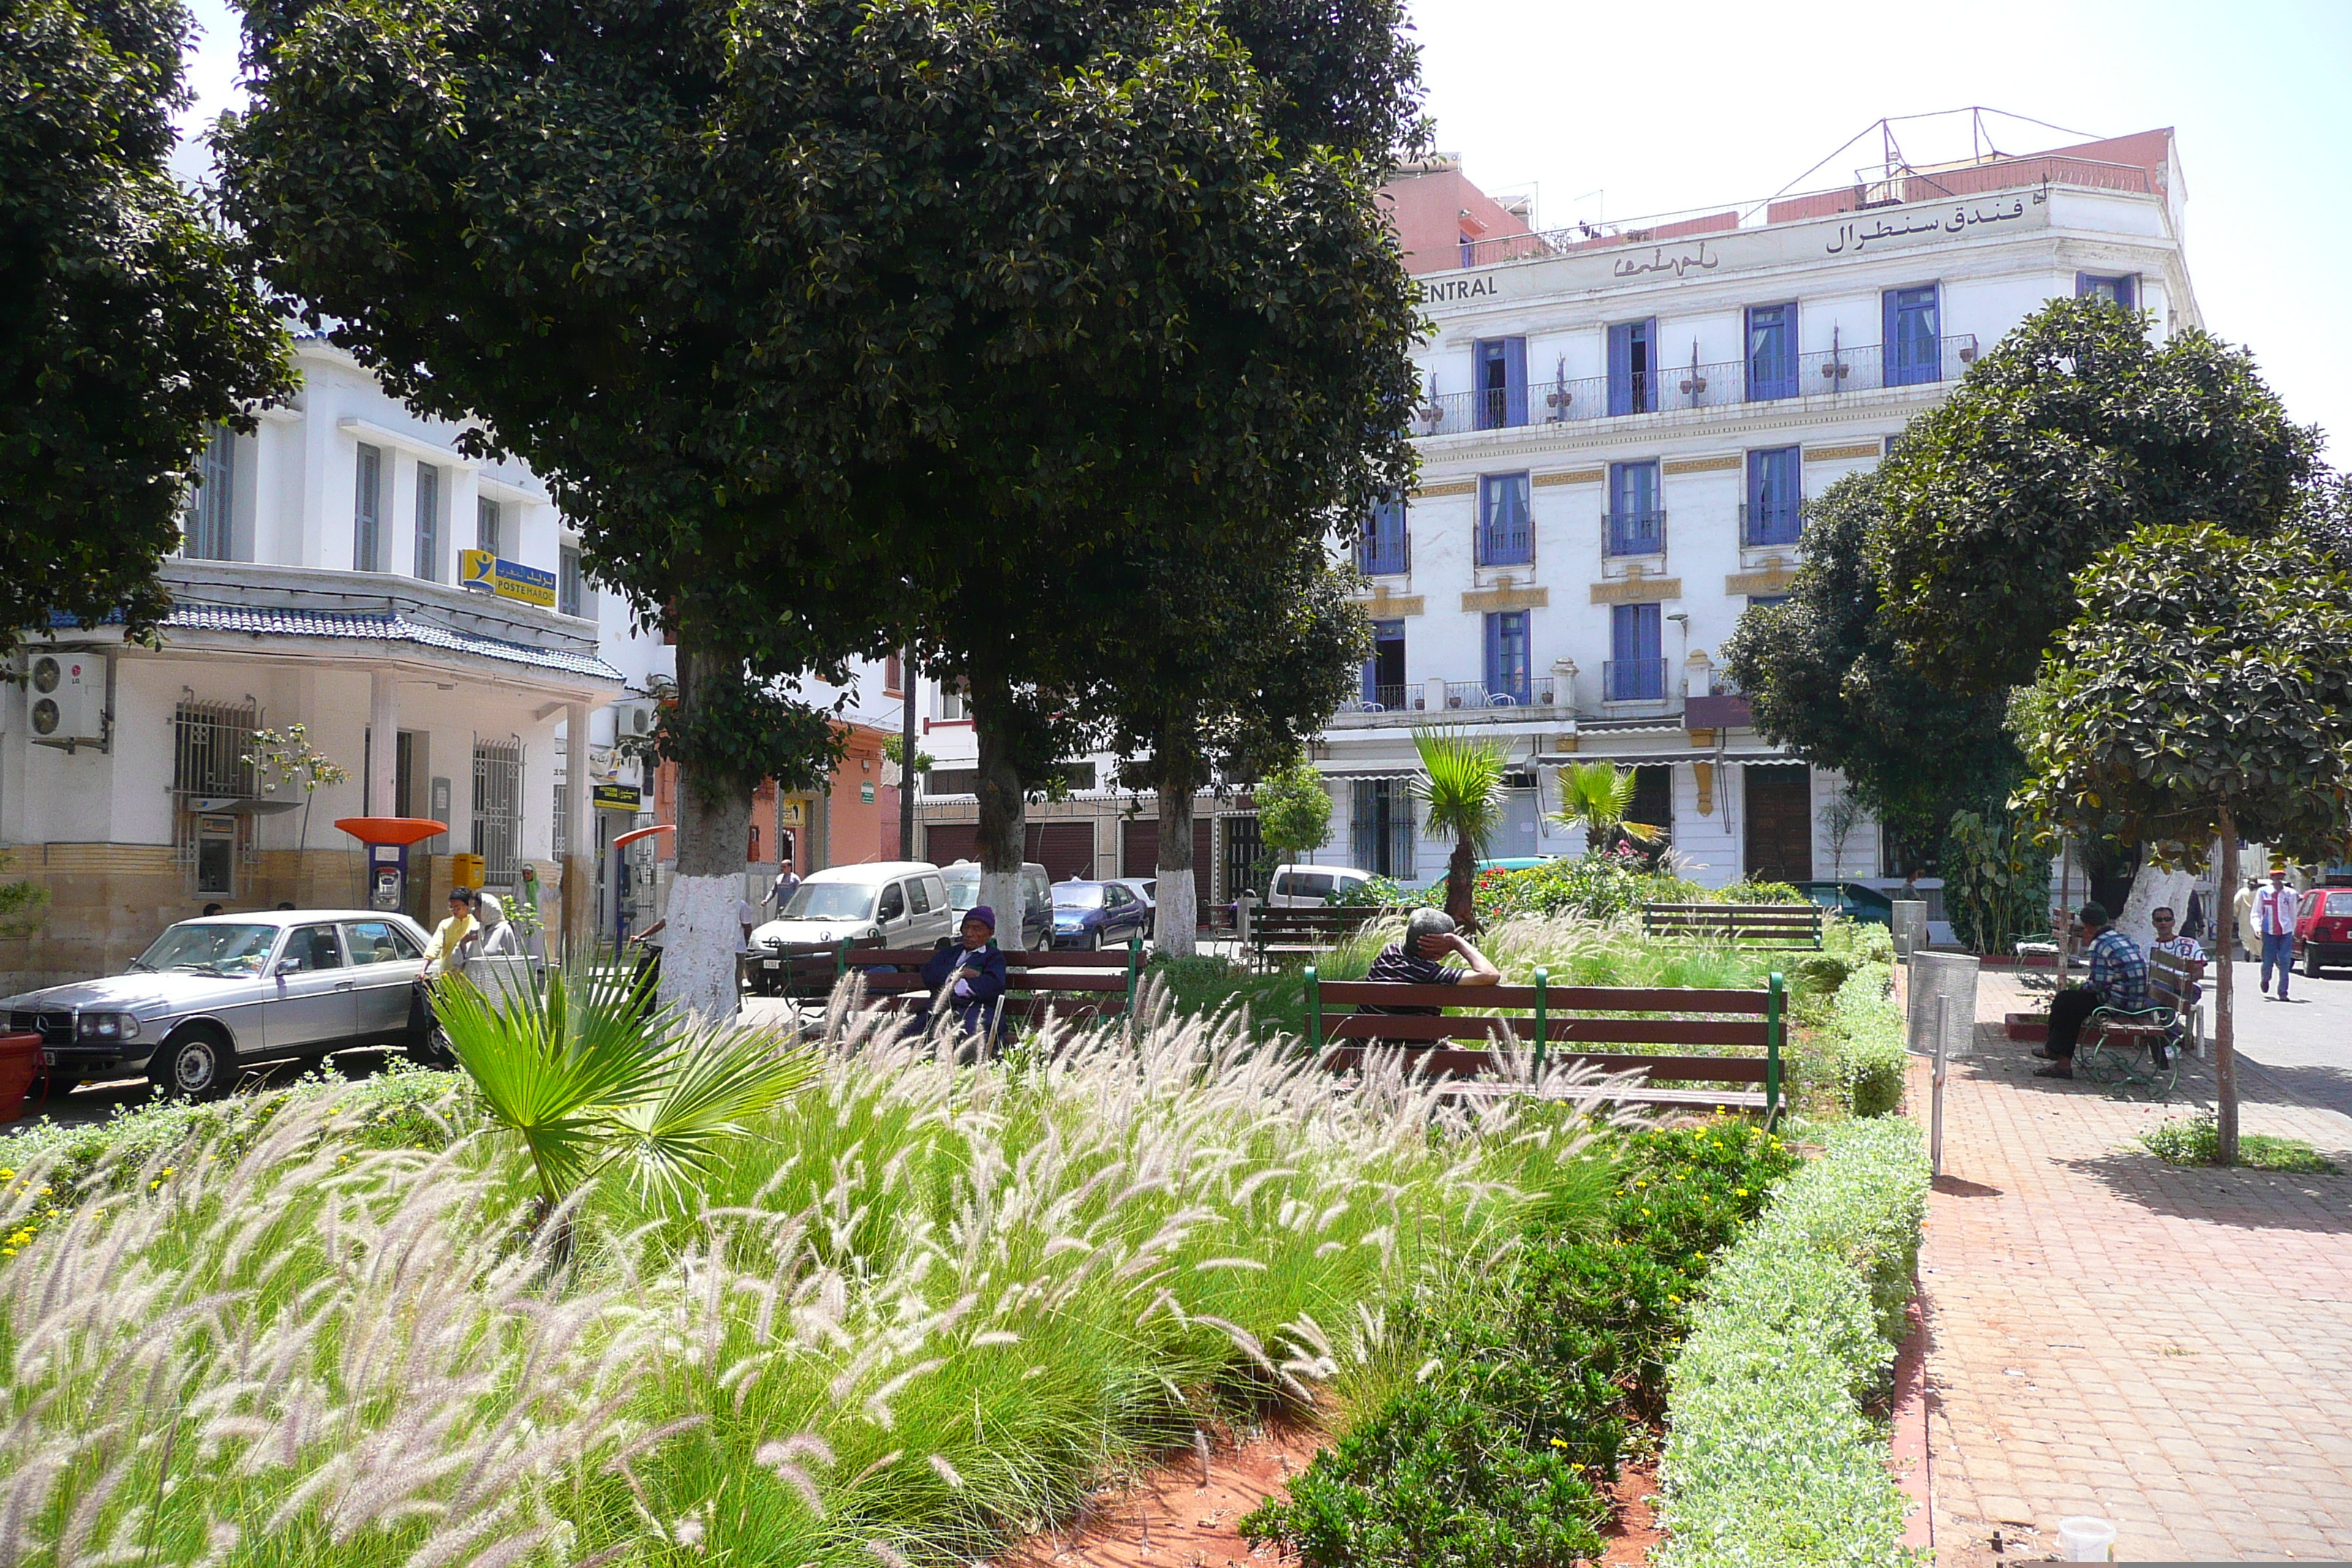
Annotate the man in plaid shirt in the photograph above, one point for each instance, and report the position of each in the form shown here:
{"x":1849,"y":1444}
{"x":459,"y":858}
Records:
{"x":2118,"y":981}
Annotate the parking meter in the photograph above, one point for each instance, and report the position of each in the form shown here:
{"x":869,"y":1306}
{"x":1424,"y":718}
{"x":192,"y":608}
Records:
{"x":388,"y":878}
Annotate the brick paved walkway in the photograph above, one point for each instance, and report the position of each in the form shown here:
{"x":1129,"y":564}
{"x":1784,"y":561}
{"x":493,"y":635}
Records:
{"x":2170,"y":1349}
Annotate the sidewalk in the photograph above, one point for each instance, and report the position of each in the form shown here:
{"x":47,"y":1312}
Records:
{"x":2168,"y":1348}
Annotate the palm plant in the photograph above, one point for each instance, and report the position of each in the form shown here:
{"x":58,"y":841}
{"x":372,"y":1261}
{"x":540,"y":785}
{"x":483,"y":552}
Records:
{"x":593,"y":1074}
{"x":1597,"y":797}
{"x":1461,"y":787}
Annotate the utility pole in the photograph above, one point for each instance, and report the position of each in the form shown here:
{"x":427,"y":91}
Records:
{"x":907,"y":681}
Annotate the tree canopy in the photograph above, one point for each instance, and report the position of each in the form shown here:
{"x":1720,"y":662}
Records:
{"x":1825,"y":678}
{"x":2074,"y":430}
{"x":128,"y":323}
{"x":838,"y":325}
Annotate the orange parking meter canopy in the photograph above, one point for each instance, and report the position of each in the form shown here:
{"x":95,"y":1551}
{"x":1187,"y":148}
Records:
{"x":392,"y":829}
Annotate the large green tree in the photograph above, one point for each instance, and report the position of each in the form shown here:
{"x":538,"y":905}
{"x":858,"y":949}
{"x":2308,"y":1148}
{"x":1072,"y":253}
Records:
{"x":129,"y":320}
{"x":1234,"y":661}
{"x":2205,"y":691}
{"x":833,"y":323}
{"x":2077,"y":428}
{"x":1825,"y":678}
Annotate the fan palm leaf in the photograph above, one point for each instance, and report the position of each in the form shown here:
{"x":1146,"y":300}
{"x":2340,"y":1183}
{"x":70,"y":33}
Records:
{"x":592,"y":1072}
{"x":1597,"y":797}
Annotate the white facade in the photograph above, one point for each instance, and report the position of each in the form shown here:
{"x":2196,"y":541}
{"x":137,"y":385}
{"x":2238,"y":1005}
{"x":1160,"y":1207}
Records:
{"x":316,"y":586}
{"x":1761,"y":377}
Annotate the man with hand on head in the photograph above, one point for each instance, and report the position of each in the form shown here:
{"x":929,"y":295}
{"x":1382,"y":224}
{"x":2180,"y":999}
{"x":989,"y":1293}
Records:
{"x":1430,"y":938}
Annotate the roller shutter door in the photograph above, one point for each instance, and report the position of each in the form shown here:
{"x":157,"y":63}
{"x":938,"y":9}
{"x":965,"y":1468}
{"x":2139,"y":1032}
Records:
{"x":944,"y":843}
{"x":1066,"y":850}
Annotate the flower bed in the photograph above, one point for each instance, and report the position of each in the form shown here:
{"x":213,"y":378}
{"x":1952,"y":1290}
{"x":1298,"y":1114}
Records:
{"x":1510,"y":1394}
{"x":1771,"y":1457}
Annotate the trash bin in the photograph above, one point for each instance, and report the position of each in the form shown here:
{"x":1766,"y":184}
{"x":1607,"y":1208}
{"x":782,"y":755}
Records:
{"x":20,"y":1064}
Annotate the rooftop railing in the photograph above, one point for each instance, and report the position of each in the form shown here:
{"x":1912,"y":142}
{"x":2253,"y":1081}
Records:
{"x":1871,"y":190}
{"x":1859,"y":367}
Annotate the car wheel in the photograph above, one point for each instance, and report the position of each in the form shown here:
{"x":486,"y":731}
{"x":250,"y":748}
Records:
{"x":1093,"y":941}
{"x":193,"y":1065}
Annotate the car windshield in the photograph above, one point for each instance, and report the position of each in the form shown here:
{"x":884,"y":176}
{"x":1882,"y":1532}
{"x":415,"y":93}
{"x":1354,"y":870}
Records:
{"x":1078,"y":895}
{"x":829,"y":902}
{"x":200,"y":948}
{"x":962,"y":892}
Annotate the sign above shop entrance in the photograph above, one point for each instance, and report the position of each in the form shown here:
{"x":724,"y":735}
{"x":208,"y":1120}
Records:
{"x":507,"y":579}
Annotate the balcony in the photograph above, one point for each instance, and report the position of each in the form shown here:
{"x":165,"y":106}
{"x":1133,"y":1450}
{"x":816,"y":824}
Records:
{"x":1388,"y":557}
{"x":1826,"y":372}
{"x":1455,"y":700}
{"x":1633,"y":680}
{"x":1384,"y":699}
{"x":1634,"y":533}
{"x":1773,"y":523}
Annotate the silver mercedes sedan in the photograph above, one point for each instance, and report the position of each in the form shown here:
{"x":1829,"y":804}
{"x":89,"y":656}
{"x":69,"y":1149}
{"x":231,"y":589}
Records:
{"x":212,"y":995}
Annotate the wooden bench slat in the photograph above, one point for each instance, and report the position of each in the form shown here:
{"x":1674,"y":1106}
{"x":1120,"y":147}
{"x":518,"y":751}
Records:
{"x":1559,"y":998}
{"x":1442,"y":1063}
{"x":1596,"y":1031}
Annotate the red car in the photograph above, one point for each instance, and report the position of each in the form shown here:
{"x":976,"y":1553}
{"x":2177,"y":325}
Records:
{"x":2322,"y":932}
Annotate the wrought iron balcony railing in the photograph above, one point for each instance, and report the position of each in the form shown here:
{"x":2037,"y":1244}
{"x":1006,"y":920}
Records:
{"x":1530,"y":692}
{"x":1634,"y":533}
{"x":1384,"y":557}
{"x":1633,"y":680}
{"x":1771,"y":522}
{"x":1826,"y":373}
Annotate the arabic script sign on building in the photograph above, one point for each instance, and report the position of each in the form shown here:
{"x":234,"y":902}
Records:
{"x":507,"y":579}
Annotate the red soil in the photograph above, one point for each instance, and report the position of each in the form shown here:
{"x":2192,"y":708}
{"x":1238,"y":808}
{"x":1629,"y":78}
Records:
{"x":1167,"y":1518}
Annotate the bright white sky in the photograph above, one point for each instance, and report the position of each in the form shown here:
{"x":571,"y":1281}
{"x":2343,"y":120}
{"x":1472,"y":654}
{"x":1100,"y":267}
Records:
{"x":1701,"y":102}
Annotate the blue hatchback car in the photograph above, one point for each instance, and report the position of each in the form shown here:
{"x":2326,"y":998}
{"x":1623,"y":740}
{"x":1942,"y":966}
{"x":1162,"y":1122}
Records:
{"x":1098,"y":914}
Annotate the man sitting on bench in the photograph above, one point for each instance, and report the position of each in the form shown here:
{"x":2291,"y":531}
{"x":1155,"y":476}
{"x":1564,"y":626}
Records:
{"x":969,"y":979}
{"x":2118,"y":982}
{"x":1429,"y":936}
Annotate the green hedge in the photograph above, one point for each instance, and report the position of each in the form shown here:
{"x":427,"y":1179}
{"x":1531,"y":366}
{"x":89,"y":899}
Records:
{"x":1770,"y":1458}
{"x":1858,"y":1049}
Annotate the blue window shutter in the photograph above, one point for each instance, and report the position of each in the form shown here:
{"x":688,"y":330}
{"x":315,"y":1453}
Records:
{"x":1515,"y":382}
{"x":1890,"y":332}
{"x":1622,"y":631}
{"x":1494,"y":650}
{"x":2127,"y":292}
{"x":1483,"y":538}
{"x":1632,"y":386}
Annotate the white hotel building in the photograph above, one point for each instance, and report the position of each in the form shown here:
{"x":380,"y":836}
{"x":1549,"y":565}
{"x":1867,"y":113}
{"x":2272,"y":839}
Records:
{"x":1619,"y":427}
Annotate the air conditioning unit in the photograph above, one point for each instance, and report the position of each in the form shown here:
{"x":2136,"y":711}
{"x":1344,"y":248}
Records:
{"x":636,"y":718}
{"x":65,"y":698}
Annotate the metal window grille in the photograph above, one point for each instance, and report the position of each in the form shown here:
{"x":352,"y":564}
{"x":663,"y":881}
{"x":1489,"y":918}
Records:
{"x":1381,"y":829}
{"x":563,"y":840}
{"x":209,"y":741}
{"x":1244,"y":855}
{"x":498,"y":810}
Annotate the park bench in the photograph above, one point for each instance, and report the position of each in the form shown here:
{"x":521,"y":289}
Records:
{"x":804,"y":970}
{"x":1279,"y":933}
{"x":2123,"y":1046}
{"x":1742,"y":925}
{"x":1082,"y":987}
{"x":1579,"y":1017}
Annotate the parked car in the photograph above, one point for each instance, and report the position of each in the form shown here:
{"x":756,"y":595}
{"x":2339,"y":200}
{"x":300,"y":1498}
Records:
{"x":1148,"y":889}
{"x":1036,"y":899}
{"x":1311,"y":886}
{"x":212,"y":995}
{"x":1854,"y":901}
{"x":1096,"y":914}
{"x":2322,"y":932}
{"x":1517,"y":863}
{"x":900,"y":903}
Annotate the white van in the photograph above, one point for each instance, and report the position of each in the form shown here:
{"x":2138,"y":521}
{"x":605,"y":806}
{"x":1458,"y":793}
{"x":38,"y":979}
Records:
{"x":1311,"y":886}
{"x":904,"y":903}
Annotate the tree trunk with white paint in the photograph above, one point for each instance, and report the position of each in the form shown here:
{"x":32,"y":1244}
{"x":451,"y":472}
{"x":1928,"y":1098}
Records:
{"x":2225,"y":1032}
{"x":1004,"y":814}
{"x":714,"y":821}
{"x":1176,"y":914}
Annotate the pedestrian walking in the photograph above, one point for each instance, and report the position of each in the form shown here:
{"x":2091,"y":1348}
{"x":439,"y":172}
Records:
{"x":781,"y":890}
{"x":2248,"y":939}
{"x":2275,"y":910}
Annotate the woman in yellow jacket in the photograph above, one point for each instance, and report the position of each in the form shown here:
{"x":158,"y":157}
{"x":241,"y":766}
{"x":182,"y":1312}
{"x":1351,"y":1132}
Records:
{"x":452,"y":944}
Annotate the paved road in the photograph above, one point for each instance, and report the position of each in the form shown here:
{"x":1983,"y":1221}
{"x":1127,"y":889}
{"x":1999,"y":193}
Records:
{"x":2303,"y":1047}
